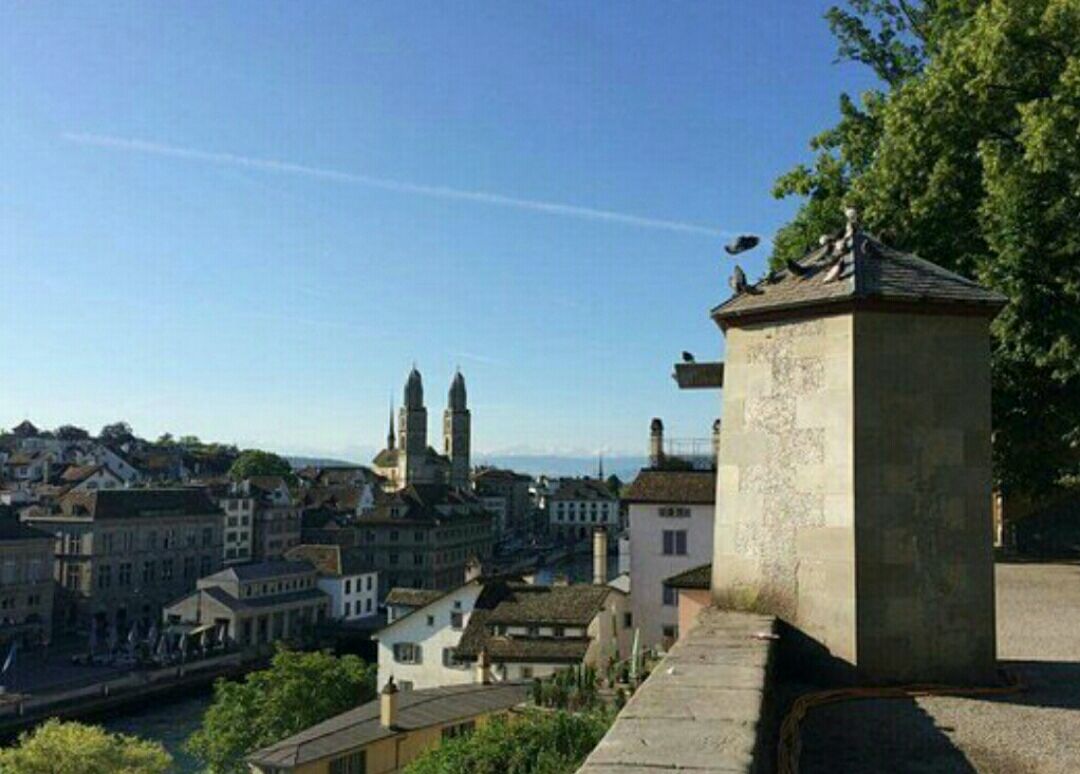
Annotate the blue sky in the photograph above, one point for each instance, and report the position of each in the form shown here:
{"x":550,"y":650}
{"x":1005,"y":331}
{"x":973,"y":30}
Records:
{"x":246,"y":221}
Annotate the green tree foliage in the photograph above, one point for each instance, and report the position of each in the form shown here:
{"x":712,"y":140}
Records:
{"x":970,"y":157}
{"x":540,"y":742}
{"x":117,"y":433}
{"x":253,"y":462}
{"x":56,"y":747}
{"x":297,"y":691}
{"x":71,"y":433}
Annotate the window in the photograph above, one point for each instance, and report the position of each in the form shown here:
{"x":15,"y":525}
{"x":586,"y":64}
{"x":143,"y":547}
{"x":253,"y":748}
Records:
{"x":457,"y":619}
{"x":417,"y":559}
{"x":353,"y":763}
{"x":393,"y":558}
{"x":73,"y":578}
{"x":393,"y":536}
{"x":348,"y":609}
{"x":674,"y":511}
{"x":408,"y":653}
{"x":459,"y":729}
{"x":367,"y":605}
{"x":368,"y":584}
{"x":628,"y":620}
{"x":166,"y":569}
{"x":451,"y":661}
{"x":123,"y":575}
{"x":526,"y":673}
{"x":671,"y":632}
{"x":204,"y":566}
{"x":148,"y":572}
{"x":207,"y":536}
{"x":189,"y":567}
{"x":674,"y":542}
{"x":348,"y":587}
{"x":431,"y":620}
{"x":7,"y":573}
{"x":559,"y":631}
{"x":104,"y":580}
{"x":670,"y":596}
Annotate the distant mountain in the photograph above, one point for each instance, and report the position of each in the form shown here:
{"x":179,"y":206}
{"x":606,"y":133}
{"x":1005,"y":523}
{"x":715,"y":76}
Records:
{"x":626,"y":468}
{"x":317,"y":462}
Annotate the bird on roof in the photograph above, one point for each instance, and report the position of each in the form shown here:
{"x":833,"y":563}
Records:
{"x":738,"y":280}
{"x":742,"y":243}
{"x":797,"y":268}
{"x":687,"y":357}
{"x":834,"y":271}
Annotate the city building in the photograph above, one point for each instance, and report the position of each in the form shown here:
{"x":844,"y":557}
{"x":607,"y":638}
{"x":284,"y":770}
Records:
{"x":239,"y":534}
{"x":26,"y":582}
{"x":422,"y":536}
{"x":525,"y":630}
{"x":344,"y":574}
{"x":402,"y":601}
{"x":409,"y":459}
{"x":385,"y":735}
{"x":275,"y":520}
{"x":671,"y":514}
{"x":255,"y":603}
{"x":577,"y":505}
{"x":506,"y":494}
{"x":692,"y":588}
{"x":122,"y":554}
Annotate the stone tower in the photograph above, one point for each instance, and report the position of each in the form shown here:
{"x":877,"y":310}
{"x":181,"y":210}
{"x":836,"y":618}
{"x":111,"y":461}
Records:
{"x":656,"y":443}
{"x":412,"y":430}
{"x":456,"y":433}
{"x":853,"y":481}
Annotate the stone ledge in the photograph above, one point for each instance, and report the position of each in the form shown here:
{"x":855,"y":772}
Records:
{"x":704,"y":708}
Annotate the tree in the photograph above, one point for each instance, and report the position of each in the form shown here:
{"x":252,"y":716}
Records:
{"x":538,"y":743}
{"x":166,"y":439}
{"x":614,"y":484}
{"x":56,"y":747}
{"x":190,"y":441}
{"x":297,"y":691}
{"x":71,"y":433}
{"x":117,"y":433}
{"x":970,"y":157}
{"x":253,"y":462}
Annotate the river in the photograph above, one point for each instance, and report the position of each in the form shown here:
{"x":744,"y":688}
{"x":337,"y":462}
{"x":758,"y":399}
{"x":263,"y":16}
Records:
{"x":172,"y":723}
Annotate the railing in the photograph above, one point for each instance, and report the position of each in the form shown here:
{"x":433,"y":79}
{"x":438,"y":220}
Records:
{"x":699,"y":453}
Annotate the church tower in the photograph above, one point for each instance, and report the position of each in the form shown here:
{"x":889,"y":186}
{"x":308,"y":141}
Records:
{"x":412,"y":430}
{"x":456,"y":433}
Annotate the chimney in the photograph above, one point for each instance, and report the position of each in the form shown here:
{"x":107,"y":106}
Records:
{"x":716,"y":441}
{"x":483,"y":667}
{"x":388,"y":699}
{"x":599,"y":556}
{"x":656,"y":443}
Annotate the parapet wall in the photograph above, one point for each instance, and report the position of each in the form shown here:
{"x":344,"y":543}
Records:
{"x":707,"y":706}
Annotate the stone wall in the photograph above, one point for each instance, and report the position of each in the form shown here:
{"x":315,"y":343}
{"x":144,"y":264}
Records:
{"x":922,"y":488}
{"x":784,"y":532}
{"x":706,"y":707}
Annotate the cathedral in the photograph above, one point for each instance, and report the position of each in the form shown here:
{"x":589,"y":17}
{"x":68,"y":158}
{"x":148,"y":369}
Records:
{"x":409,"y":459}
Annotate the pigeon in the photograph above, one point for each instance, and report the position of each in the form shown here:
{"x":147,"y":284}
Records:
{"x":687,"y":357}
{"x":797,"y":268}
{"x":834,"y":272}
{"x":742,"y":243}
{"x":738,"y":280}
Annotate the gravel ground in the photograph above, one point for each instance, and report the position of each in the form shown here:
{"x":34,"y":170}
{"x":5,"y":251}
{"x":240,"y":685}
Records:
{"x":1038,"y":730}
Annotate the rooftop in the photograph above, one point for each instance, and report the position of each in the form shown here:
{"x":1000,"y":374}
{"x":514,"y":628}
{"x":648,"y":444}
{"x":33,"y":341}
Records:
{"x":678,"y":487}
{"x":857,"y":267}
{"x":138,"y":503}
{"x":275,"y":568}
{"x":416,"y":710}
{"x":695,"y":578}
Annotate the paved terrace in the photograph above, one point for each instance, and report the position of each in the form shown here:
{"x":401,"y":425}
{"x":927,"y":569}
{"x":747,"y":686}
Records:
{"x":703,"y":706}
{"x":1038,"y":624}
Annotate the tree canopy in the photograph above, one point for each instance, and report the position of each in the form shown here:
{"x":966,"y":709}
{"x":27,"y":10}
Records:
{"x":297,"y":691}
{"x":71,"y":433}
{"x":57,"y":747}
{"x":253,"y":462}
{"x":969,"y":155}
{"x":116,"y":433}
{"x":541,"y":742}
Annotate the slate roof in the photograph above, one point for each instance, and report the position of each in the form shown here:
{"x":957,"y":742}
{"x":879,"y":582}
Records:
{"x":582,"y":489}
{"x":416,"y":710}
{"x":387,"y":458}
{"x":11,"y":529}
{"x":138,"y":503}
{"x":412,"y":597}
{"x":680,"y":487}
{"x":694,"y":578}
{"x":573,"y":605}
{"x":254,"y":603}
{"x":426,"y":504}
{"x":273,"y":568}
{"x":870,"y":270}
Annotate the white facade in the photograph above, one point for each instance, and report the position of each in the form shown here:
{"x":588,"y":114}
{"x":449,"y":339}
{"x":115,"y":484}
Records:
{"x":352,"y":597}
{"x":418,"y":648}
{"x":665,"y":539}
{"x":239,"y":528}
{"x":102,"y":478}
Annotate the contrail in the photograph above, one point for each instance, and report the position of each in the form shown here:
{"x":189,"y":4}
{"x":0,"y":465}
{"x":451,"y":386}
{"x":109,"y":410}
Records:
{"x":399,"y":186}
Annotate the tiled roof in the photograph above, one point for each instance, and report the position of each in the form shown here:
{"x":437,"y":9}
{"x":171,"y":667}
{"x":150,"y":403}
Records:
{"x":695,"y":578}
{"x":273,"y":568}
{"x":253,"y":603}
{"x":416,"y":710}
{"x":426,"y":503}
{"x":573,"y":605}
{"x":680,"y":487}
{"x":582,"y":489}
{"x":134,"y":503}
{"x":868,"y":270}
{"x":387,"y":458}
{"x":412,"y":597}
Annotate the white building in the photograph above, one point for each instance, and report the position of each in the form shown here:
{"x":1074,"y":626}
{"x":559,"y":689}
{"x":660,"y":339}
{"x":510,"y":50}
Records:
{"x":344,"y":574}
{"x":419,"y":648}
{"x":578,"y":505}
{"x":239,"y":527}
{"x":671,"y":530}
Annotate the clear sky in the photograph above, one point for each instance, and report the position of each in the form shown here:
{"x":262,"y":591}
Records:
{"x":246,"y":221}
